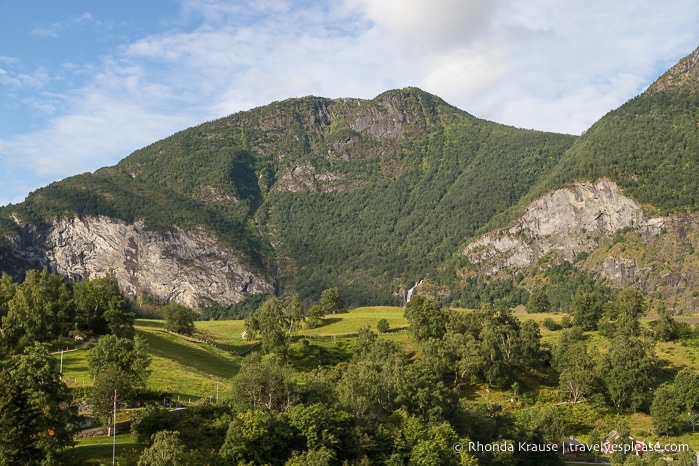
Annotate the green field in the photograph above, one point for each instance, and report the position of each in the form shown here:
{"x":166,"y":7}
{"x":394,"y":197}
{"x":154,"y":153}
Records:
{"x":190,"y":369}
{"x":99,"y":450}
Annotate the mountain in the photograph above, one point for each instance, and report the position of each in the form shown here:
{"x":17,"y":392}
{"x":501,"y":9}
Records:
{"x":622,"y":203}
{"x":373,"y":196}
{"x":309,"y":193}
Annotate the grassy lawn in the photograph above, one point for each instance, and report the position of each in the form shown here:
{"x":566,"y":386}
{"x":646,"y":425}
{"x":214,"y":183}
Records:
{"x":350,"y":322}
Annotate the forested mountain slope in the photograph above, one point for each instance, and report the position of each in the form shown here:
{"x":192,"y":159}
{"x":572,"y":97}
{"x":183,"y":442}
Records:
{"x":638,"y":224}
{"x":649,"y":146}
{"x":372,"y":196}
{"x":369,"y":196}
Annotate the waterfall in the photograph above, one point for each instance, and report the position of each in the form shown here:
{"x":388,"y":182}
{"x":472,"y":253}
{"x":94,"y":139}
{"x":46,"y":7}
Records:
{"x":411,"y":290}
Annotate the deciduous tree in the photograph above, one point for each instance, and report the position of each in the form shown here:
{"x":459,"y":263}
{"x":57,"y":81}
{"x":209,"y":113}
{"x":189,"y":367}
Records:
{"x":425,"y":318}
{"x":37,"y":418}
{"x":332,"y":301}
{"x":167,"y":450}
{"x":178,"y":318}
{"x":270,"y":322}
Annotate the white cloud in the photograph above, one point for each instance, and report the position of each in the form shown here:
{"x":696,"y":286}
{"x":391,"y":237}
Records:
{"x":58,"y":28}
{"x":433,"y":24}
{"x":103,"y":130}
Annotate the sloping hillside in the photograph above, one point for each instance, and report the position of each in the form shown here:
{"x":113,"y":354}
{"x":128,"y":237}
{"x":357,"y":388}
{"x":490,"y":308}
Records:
{"x":308,"y":193}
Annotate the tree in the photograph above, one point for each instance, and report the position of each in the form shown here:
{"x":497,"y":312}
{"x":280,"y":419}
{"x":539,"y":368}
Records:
{"x":322,"y":426}
{"x":41,"y":308}
{"x":529,"y":344}
{"x":150,"y":421}
{"x":314,"y":317}
{"x":269,"y":321}
{"x":167,"y":450}
{"x":128,"y":356}
{"x":373,"y":380}
{"x":576,"y":367}
{"x":37,"y":418}
{"x":587,"y":309}
{"x":257,"y":437}
{"x":178,"y":318}
{"x":425,"y":319}
{"x":119,"y":318}
{"x":383,"y":326}
{"x":626,"y":371}
{"x":665,"y":327}
{"x":665,"y":411}
{"x":296,"y":312}
{"x":7,"y":292}
{"x":332,"y":301}
{"x":624,"y":311}
{"x":95,"y":297}
{"x":110,"y":382}
{"x":320,"y":457}
{"x":687,"y":389}
{"x":265,"y":383}
{"x":538,"y":303}
{"x":117,"y":364}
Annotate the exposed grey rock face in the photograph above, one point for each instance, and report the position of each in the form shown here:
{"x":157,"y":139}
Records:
{"x":564,"y":223}
{"x":179,"y":266}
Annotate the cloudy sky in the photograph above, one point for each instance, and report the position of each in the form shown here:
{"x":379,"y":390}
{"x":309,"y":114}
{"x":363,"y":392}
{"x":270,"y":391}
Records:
{"x":84,"y":83}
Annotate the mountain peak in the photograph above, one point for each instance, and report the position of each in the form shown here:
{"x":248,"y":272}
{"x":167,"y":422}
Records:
{"x":684,"y":72}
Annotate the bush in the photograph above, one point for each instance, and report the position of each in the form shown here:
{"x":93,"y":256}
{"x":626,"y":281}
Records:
{"x":150,"y":421}
{"x":551,"y":324}
{"x":383,"y":326}
{"x":566,"y":321}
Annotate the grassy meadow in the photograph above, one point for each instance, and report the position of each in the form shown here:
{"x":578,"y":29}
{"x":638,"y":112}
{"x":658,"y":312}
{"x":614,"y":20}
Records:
{"x":190,"y":368}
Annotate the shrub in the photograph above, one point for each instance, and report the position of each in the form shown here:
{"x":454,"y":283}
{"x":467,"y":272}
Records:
{"x":383,"y":326}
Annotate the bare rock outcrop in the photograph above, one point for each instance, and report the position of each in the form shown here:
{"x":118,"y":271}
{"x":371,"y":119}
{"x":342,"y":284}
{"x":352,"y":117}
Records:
{"x":563,"y":224}
{"x":179,"y":266}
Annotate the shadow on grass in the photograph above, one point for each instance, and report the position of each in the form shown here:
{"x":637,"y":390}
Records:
{"x":308,"y":357}
{"x":327,"y":321}
{"x":197,"y":357}
{"x":98,"y":450}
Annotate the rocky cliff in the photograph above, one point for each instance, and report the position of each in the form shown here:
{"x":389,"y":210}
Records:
{"x":564,"y":223}
{"x":623,"y":244}
{"x":180,"y":266}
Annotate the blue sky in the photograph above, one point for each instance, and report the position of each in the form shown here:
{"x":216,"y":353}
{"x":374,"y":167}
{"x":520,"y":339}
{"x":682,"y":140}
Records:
{"x":85,"y":83}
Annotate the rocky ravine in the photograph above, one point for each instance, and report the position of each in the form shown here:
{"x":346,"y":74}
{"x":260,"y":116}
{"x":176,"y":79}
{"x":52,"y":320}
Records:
{"x":176,"y":266}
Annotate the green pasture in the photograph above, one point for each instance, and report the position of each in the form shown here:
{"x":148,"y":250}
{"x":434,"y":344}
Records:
{"x":187,"y":369}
